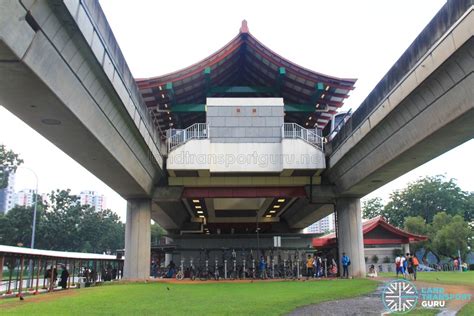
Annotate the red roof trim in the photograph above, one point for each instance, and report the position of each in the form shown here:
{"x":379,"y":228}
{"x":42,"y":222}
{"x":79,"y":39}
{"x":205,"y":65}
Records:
{"x":233,"y":44}
{"x":367,"y":226}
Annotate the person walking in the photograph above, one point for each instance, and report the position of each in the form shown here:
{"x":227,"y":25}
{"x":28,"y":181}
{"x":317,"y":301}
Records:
{"x":405,"y":265}
{"x":346,"y":262}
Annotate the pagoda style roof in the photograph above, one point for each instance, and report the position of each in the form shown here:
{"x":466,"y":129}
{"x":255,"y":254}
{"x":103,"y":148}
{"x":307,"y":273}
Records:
{"x":243,"y":68}
{"x":376,"y":231}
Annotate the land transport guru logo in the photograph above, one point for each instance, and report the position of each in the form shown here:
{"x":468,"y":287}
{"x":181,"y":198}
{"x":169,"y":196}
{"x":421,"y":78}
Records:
{"x":399,"y":296}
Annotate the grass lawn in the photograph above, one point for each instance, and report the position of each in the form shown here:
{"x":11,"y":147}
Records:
{"x":458,"y":278}
{"x":467,"y":310}
{"x":424,"y":312}
{"x":258,"y":298}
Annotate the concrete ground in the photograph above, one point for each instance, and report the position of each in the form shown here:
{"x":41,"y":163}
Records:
{"x":371,"y":304}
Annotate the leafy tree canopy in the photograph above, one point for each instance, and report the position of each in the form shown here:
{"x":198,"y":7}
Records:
{"x":446,"y":234}
{"x":9,"y":161}
{"x":64,"y":225}
{"x":425,"y":198}
{"x":372,"y":208}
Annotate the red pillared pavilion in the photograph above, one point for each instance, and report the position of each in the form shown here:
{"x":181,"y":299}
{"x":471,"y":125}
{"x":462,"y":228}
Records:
{"x":376,"y":232}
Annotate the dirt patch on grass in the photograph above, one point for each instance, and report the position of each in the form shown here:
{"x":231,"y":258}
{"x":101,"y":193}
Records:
{"x":197,"y":281}
{"x":43,"y":297}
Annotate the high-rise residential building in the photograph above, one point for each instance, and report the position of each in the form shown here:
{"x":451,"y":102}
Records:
{"x":25,"y":198}
{"x":93,"y":199}
{"x":7,"y":195}
{"x":322,"y":226}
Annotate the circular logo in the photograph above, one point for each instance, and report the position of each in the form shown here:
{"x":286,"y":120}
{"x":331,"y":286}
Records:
{"x":400,"y":296}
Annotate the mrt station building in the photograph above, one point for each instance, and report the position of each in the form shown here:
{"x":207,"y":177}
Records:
{"x":245,"y":150}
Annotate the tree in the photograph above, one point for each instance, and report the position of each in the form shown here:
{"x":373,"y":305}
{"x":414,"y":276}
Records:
{"x":9,"y":161}
{"x":156,"y":233}
{"x":70,"y":226}
{"x":16,"y":225}
{"x":61,"y":222}
{"x":454,"y":234}
{"x":417,"y":225}
{"x":372,"y":208}
{"x":446,"y":234}
{"x":427,"y":197}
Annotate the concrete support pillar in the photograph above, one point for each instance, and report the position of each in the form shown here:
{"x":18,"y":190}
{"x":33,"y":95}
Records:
{"x":350,"y":239}
{"x":406,"y":248}
{"x":137,"y":239}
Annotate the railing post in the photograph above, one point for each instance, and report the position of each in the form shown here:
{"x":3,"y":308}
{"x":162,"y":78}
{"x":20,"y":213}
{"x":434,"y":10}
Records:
{"x":37,"y":276}
{"x":22,"y":263}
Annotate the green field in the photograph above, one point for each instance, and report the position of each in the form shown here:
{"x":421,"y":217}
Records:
{"x":423,"y":312}
{"x":258,"y":298}
{"x":467,"y":310}
{"x":458,"y":278}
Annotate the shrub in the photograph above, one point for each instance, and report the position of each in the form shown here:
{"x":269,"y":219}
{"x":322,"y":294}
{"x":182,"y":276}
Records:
{"x":397,"y":252}
{"x":375,"y":259}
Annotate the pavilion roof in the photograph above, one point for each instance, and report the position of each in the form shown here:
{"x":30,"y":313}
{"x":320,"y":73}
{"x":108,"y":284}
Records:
{"x":243,"y":67}
{"x":368,"y":226}
{"x":28,"y":252}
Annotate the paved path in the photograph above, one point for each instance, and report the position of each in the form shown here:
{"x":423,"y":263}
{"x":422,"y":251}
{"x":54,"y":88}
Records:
{"x":371,"y":304}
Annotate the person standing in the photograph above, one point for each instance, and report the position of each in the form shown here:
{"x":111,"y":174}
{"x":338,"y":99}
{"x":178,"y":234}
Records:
{"x":346,"y":262}
{"x":309,"y":267}
{"x":410,"y":266}
{"x":262,"y":265}
{"x":64,"y":277}
{"x":398,"y":265}
{"x":416,"y":263}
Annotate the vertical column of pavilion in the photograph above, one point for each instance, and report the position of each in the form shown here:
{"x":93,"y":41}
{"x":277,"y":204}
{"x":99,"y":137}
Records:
{"x":137,"y":239}
{"x":350,"y":237}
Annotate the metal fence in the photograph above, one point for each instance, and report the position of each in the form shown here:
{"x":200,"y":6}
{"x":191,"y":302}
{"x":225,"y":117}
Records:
{"x":293,"y":130}
{"x":177,"y":137}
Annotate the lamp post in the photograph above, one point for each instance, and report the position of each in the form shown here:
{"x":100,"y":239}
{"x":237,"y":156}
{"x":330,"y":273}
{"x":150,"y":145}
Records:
{"x":35,"y":203}
{"x":33,"y":225}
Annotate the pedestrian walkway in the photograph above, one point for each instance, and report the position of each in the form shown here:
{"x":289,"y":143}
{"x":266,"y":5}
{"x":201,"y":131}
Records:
{"x":369,"y":304}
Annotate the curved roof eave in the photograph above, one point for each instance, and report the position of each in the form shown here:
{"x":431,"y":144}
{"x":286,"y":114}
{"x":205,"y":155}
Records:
{"x":348,"y":83}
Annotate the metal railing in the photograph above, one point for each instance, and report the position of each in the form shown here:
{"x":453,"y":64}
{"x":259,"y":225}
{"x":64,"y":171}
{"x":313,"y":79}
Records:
{"x":293,"y":130}
{"x":177,"y":137}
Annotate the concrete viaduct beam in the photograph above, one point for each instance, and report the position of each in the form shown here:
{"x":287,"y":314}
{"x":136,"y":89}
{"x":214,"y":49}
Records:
{"x":428,"y":113}
{"x":60,"y":76}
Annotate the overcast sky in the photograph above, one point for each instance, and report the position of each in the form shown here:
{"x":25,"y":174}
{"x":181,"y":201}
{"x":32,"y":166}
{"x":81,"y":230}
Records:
{"x":352,"y":39}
